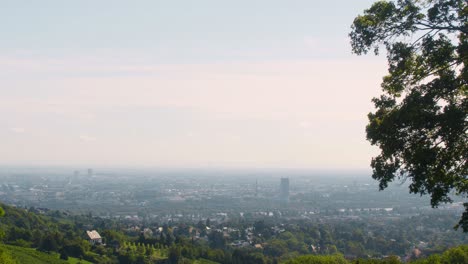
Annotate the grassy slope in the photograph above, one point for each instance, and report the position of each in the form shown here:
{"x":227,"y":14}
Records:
{"x":32,"y":256}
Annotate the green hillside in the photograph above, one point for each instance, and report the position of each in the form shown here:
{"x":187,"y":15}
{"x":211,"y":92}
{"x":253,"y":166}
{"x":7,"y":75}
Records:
{"x":31,"y":256}
{"x":25,"y":236}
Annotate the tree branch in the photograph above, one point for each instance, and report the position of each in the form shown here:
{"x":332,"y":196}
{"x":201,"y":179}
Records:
{"x":432,"y":26}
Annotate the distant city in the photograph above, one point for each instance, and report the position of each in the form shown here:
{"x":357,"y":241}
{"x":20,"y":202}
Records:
{"x":177,"y":195}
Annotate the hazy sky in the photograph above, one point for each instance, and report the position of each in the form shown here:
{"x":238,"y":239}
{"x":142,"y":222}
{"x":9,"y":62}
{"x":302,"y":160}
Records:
{"x":184,"y":84}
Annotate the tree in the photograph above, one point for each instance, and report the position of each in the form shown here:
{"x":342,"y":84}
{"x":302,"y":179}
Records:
{"x":174,"y":255}
{"x":63,"y":255}
{"x":2,"y":233}
{"x":217,"y":239}
{"x":49,"y":243}
{"x":456,"y":255}
{"x":276,"y":248}
{"x":420,"y":122}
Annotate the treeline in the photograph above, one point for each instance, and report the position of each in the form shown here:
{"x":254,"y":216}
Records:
{"x":457,"y":255}
{"x":64,"y":235}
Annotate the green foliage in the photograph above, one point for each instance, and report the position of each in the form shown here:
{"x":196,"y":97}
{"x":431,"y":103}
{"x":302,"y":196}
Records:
{"x":388,"y":260}
{"x":131,"y":252}
{"x":113,"y":237}
{"x":64,"y":256}
{"x":204,"y":261}
{"x":29,"y":255}
{"x":246,"y":257}
{"x":63,"y":240}
{"x":174,"y":255}
{"x":457,"y":255}
{"x":314,"y":259}
{"x":50,"y":243}
{"x":5,"y":257}
{"x":276,"y":248}
{"x":421,"y":119}
{"x":217,"y":239}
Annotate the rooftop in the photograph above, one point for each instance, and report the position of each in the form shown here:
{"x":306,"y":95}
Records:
{"x":93,"y":235}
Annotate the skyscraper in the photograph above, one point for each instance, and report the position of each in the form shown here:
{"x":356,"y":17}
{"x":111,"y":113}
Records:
{"x":256,"y":188}
{"x":284,"y":189}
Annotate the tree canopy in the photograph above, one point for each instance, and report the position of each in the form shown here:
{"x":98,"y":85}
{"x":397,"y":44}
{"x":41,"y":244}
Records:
{"x":420,"y":122}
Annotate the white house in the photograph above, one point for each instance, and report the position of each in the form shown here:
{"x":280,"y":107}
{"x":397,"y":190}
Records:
{"x":94,"y":237}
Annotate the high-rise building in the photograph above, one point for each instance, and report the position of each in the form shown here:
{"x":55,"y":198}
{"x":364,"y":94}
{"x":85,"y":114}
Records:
{"x":284,"y":189}
{"x":256,"y":188}
{"x":90,"y":172}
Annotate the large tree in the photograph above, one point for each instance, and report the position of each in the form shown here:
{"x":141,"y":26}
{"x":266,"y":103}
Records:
{"x":420,"y":122}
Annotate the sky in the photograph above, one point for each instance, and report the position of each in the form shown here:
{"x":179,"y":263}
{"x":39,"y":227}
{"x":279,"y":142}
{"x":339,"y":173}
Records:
{"x":207,"y":83}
